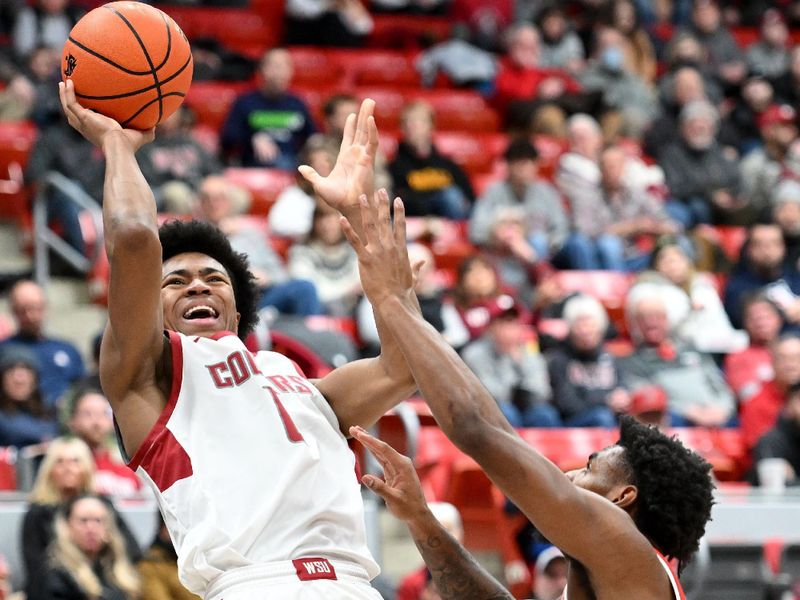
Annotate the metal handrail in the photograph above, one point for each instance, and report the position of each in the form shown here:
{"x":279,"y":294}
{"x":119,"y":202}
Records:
{"x":45,"y":239}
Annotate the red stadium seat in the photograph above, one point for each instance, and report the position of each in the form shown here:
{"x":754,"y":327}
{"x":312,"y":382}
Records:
{"x":265,"y":185}
{"x":345,"y":325}
{"x":460,"y":110}
{"x":211,"y":100}
{"x":569,"y":448}
{"x":16,"y":142}
{"x":408,"y":31}
{"x":8,"y":473}
{"x":744,"y":36}
{"x":315,"y":66}
{"x":311,"y":364}
{"x":474,"y":152}
{"x":389,"y":103}
{"x":379,"y":67}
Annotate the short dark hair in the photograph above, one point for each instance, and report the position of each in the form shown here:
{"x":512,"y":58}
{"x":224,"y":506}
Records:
{"x":332,"y":103}
{"x":178,"y":237}
{"x":675,"y":489}
{"x":520,"y":149}
{"x":759,"y":297}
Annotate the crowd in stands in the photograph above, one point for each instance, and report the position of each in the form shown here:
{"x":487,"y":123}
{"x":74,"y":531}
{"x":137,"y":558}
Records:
{"x":653,"y":144}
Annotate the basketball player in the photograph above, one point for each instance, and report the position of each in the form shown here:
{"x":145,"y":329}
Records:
{"x":247,"y":457}
{"x":635,"y":504}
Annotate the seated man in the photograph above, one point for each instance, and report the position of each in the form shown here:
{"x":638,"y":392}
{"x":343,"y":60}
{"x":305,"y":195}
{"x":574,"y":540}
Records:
{"x":782,"y":441}
{"x":696,"y":392}
{"x":647,"y":493}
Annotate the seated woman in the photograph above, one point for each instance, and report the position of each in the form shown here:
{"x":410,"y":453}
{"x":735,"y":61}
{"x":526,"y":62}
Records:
{"x":87,"y":558}
{"x":24,"y":418}
{"x":67,"y":471}
{"x":329,"y":262}
{"x":705,"y":326}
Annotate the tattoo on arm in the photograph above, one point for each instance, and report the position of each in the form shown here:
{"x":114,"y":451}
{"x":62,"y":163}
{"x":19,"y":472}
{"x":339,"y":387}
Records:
{"x":456,"y":573}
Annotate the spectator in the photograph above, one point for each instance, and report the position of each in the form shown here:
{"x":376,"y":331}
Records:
{"x":477,"y":285}
{"x":628,"y":104}
{"x":785,"y":200}
{"x":696,"y":392}
{"x":61,"y":149}
{"x":787,"y":86}
{"x":435,"y":309}
{"x":685,"y":50}
{"x":521,"y":76}
{"x":611,"y":217}
{"x":686,"y":85}
{"x":705,"y":325}
{"x":550,"y":574}
{"x":66,"y":472}
{"x":42,"y":69}
{"x":328,"y":261}
{"x":293,"y":212}
{"x":545,"y":223}
{"x":640,"y":55}
{"x":429,"y":183}
{"x":702,"y":179}
{"x":560,"y":47}
{"x":344,"y":23}
{"x":762,"y":168}
{"x":17,"y":98}
{"x":740,"y":130}
{"x":88,"y":558}
{"x":587,"y":389}
{"x":762,"y":267}
{"x":759,"y":413}
{"x":60,"y":363}
{"x":511,"y":369}
{"x":578,"y":169}
{"x":748,"y":370}
{"x":783,"y":440}
{"x":175,"y":163}
{"x":462,"y":63}
{"x":91,"y":421}
{"x":158,"y":569}
{"x":288,"y":295}
{"x":724,"y":56}
{"x":413,"y":586}
{"x":43,"y":23}
{"x":24,"y":418}
{"x":769,"y":56}
{"x":268,"y":126}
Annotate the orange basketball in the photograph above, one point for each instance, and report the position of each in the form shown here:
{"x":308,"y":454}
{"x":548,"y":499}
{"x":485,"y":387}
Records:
{"x":130,"y":62}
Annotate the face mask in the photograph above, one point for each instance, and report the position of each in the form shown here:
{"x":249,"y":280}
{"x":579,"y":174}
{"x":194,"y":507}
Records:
{"x":611,"y":59}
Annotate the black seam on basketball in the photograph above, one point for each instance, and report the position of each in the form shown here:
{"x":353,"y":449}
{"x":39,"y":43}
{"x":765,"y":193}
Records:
{"x":149,"y":62}
{"x":107,"y":60}
{"x":140,"y":91}
{"x":138,"y":112}
{"x":169,"y":43}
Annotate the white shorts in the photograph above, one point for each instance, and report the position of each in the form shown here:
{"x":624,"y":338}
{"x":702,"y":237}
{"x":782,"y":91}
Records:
{"x":300,"y":579}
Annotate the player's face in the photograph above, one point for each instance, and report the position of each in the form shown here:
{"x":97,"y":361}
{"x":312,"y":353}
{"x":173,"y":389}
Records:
{"x":197,"y":296}
{"x":603,"y":473}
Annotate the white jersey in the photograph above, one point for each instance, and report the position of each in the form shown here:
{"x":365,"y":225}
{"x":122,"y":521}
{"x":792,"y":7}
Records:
{"x":249,"y":465}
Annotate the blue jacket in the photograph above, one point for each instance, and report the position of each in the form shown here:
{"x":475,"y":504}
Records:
{"x":744,"y":282}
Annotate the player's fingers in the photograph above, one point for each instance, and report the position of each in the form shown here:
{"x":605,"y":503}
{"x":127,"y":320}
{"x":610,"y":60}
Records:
{"x":349,"y":132}
{"x":379,"y":448}
{"x":362,"y":124}
{"x":352,"y":236}
{"x":384,"y":214}
{"x":379,"y":486}
{"x":400,"y":226}
{"x":372,"y":142}
{"x":310,"y":175}
{"x":368,"y":223}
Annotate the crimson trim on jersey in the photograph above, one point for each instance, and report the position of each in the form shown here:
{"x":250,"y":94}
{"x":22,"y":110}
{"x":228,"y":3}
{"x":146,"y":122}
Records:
{"x":161,"y":455}
{"x":298,"y":369}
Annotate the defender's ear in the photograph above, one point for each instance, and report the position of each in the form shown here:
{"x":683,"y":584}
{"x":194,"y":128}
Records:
{"x":626,"y":496}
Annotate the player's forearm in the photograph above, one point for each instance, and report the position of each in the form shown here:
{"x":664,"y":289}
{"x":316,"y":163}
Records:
{"x":456,"y":573}
{"x":128,"y":203}
{"x":464,"y":409}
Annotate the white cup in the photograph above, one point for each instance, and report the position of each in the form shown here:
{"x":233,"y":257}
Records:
{"x":772,"y":474}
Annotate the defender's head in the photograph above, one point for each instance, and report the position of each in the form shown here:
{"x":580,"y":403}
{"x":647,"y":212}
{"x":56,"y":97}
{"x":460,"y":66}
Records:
{"x":206,"y":286}
{"x":665,"y":487}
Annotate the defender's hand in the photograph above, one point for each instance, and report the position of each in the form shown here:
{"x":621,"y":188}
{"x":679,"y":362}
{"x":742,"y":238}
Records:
{"x":95,"y":127}
{"x":400,"y":488}
{"x":352,"y":175}
{"x":382,"y":254}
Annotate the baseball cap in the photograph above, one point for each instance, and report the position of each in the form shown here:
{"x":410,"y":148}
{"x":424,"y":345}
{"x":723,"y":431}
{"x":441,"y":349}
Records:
{"x":777,"y":114}
{"x":503,"y":306}
{"x":650,"y":398}
{"x":545,"y":557}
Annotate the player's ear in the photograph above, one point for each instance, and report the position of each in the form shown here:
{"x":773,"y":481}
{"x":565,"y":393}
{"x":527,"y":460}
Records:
{"x":238,"y":318}
{"x":625,"y":496}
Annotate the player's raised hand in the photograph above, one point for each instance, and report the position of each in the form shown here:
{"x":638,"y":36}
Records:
{"x":94,"y":126}
{"x":381,"y":248}
{"x":400,"y":487}
{"x":353,"y":173}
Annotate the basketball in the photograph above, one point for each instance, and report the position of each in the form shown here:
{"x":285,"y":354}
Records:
{"x":128,"y":61}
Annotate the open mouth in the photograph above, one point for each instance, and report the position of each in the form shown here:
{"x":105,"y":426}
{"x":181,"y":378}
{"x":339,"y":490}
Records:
{"x":200,"y":312}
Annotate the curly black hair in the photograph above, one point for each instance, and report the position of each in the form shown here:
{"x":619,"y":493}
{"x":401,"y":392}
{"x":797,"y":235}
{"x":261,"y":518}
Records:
{"x":178,"y":237}
{"x":675,"y":489}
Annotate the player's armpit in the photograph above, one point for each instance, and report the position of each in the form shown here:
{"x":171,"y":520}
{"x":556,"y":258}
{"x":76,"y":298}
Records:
{"x":361,"y":392}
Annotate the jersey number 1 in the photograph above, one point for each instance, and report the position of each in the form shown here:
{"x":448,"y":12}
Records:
{"x":292,"y":432}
